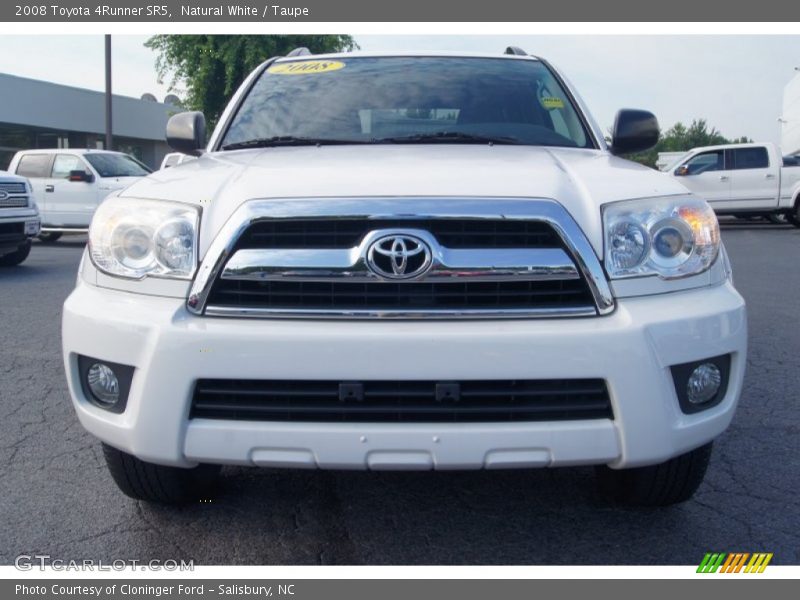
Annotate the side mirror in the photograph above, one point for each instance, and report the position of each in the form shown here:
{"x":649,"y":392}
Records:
{"x":186,"y":133}
{"x":634,"y":131}
{"x":682,"y":171}
{"x":81,"y":175}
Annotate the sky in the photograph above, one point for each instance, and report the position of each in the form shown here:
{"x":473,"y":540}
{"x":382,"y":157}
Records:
{"x":735,"y":82}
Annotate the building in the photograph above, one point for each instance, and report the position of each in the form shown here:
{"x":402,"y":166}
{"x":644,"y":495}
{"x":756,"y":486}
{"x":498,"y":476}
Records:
{"x":40,"y":114}
{"x":790,"y":120}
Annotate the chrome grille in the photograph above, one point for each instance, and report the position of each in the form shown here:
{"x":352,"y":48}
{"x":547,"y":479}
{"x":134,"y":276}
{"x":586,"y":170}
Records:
{"x":316,"y":258}
{"x":348,"y":233}
{"x":12,"y":187}
{"x":13,"y":194}
{"x":14,"y":202}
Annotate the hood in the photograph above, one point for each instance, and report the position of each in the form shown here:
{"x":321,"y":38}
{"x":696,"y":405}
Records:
{"x":112,"y":184}
{"x":581,"y":180}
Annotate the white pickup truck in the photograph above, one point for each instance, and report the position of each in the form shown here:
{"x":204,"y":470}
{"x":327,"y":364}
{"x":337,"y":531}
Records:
{"x":743,"y":179}
{"x":69,"y":184}
{"x":411,"y":262}
{"x":19,"y":219}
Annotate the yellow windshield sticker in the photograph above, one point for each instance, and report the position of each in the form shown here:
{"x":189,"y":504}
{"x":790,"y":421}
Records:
{"x":550,"y":102}
{"x":306,"y":67}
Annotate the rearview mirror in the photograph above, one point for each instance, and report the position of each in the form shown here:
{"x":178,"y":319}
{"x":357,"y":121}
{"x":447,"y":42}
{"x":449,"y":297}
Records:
{"x":186,"y":133}
{"x":81,"y":175}
{"x":682,"y":171}
{"x":634,"y":131}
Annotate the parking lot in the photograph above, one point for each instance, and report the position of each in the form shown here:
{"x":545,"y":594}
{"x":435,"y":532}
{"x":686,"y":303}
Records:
{"x":59,"y":500}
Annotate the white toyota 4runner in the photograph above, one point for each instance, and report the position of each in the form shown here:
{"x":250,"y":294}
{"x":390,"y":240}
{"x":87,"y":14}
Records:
{"x":406,"y":262}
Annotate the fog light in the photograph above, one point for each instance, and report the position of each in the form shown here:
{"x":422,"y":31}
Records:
{"x":703,"y":383}
{"x":103,"y":384}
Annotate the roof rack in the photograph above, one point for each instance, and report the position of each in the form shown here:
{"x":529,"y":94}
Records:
{"x":516,"y":51}
{"x":301,"y":51}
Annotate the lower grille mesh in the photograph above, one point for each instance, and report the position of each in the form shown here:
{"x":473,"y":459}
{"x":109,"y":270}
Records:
{"x":404,"y":295}
{"x":401,"y":401}
{"x":12,"y":234}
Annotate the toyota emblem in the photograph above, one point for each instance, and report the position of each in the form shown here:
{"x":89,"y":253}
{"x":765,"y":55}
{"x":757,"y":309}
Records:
{"x":399,"y":256}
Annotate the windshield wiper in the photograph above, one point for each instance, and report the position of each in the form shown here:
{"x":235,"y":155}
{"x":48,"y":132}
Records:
{"x":448,"y":137}
{"x":287,"y":140}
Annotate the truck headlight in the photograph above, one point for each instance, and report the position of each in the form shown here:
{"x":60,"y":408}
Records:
{"x":138,"y":238}
{"x":668,"y":237}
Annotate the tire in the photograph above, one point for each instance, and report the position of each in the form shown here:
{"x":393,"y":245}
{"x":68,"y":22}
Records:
{"x":777,"y":219}
{"x":49,"y":237}
{"x":158,"y":483}
{"x":664,"y":484}
{"x":16,"y":257}
{"x":793,"y":216}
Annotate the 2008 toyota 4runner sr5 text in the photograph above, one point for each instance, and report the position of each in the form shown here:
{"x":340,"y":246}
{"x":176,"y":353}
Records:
{"x":406,"y":262}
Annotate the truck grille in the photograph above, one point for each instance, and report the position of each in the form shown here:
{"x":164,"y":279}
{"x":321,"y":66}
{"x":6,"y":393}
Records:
{"x":14,"y":202}
{"x":408,"y":296}
{"x":401,"y":401}
{"x":13,"y":195}
{"x":401,"y":258}
{"x":12,"y":187}
{"x":348,"y":233}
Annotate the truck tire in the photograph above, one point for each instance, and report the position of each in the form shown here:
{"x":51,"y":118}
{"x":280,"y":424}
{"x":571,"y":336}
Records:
{"x":667,"y":483}
{"x":793,"y":216}
{"x":48,"y":237}
{"x":158,"y":483}
{"x":16,"y":257}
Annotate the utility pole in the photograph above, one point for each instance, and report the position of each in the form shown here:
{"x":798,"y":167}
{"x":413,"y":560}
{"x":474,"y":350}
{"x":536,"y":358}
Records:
{"x":109,"y":137}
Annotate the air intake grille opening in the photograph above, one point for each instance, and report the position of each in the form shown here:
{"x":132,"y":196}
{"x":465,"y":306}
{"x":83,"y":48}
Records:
{"x":401,"y":401}
{"x":12,"y":234}
{"x":411,"y":296}
{"x":347,"y":233}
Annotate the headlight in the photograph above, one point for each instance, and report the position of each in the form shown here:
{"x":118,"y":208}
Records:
{"x":139,"y":238}
{"x":668,"y":237}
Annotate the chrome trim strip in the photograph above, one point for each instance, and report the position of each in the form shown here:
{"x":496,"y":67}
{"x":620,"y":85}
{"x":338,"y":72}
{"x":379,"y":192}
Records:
{"x":515,"y":313}
{"x":447,"y":263}
{"x":67,"y":230}
{"x":548,"y":211}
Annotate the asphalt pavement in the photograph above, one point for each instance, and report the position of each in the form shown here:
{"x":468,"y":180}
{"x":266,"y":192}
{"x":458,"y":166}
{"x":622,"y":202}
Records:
{"x":58,"y":499}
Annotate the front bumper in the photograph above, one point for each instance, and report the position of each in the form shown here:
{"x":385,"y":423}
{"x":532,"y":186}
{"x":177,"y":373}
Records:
{"x":632,"y":349}
{"x":28,"y":221}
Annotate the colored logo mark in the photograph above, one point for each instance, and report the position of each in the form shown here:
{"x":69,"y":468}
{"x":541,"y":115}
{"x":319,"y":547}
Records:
{"x":735,"y":562}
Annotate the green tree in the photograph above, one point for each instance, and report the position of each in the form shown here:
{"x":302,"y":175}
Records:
{"x":680,"y":138}
{"x":207,"y":69}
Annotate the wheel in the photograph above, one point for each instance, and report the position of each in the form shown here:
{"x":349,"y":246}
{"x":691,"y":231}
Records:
{"x":793,"y":216}
{"x":16,"y":257}
{"x":158,"y":483}
{"x":777,"y":219}
{"x":667,"y":483}
{"x":48,"y":237}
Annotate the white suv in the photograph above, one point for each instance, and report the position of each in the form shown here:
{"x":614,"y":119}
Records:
{"x":69,"y":184}
{"x":406,"y":262}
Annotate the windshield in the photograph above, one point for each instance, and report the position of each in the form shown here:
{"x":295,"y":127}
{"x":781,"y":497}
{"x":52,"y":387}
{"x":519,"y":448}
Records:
{"x":411,"y":100}
{"x":116,"y":165}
